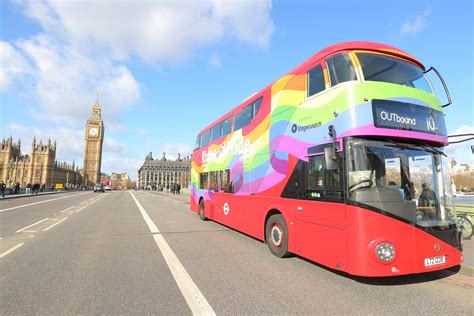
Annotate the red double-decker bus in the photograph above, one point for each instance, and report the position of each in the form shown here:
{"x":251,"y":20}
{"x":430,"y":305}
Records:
{"x":339,"y":161}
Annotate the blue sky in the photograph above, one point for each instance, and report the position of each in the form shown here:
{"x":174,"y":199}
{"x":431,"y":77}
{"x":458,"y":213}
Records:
{"x":165,"y":70}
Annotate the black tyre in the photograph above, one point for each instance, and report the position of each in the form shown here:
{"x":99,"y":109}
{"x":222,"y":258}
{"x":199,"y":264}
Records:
{"x":276,"y":235}
{"x":466,"y":226}
{"x":202,"y":210}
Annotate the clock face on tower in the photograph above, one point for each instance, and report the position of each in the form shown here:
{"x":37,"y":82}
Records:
{"x":93,"y":131}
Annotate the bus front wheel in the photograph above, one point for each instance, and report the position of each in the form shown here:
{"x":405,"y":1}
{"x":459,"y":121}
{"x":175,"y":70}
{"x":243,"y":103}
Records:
{"x":276,"y":235}
{"x":201,"y":209}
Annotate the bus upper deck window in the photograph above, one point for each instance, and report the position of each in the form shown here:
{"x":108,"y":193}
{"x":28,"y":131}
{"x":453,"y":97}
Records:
{"x":340,"y":69}
{"x":196,"y":145}
{"x":256,"y":106}
{"x":226,"y":127}
{"x":376,"y":67}
{"x":216,"y":132}
{"x":205,"y":138}
{"x":244,"y":117}
{"x":316,"y":80}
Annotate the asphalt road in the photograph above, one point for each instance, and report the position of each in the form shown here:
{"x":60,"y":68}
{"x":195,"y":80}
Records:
{"x":102,"y":254}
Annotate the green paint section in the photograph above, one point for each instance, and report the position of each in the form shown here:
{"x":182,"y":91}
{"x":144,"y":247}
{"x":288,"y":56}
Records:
{"x":353,"y":95}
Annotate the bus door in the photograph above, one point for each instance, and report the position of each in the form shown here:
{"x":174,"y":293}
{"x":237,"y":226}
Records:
{"x":228,"y":207}
{"x":320,"y":216}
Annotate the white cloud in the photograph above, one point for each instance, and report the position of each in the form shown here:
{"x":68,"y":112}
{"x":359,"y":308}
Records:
{"x":70,"y":142}
{"x":111,"y":145}
{"x":156,"y":32}
{"x":13,"y":66}
{"x":416,"y":25}
{"x":461,"y":152}
{"x":65,"y":82}
{"x":173,"y":149}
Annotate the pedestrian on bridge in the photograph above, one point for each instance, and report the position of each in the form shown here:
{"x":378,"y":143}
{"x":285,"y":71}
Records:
{"x":2,"y":188}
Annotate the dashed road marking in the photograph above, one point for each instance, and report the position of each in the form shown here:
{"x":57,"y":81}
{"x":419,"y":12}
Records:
{"x":40,"y":202}
{"x":67,"y":209}
{"x":191,"y":293}
{"x":58,"y":222}
{"x":11,"y":250}
{"x":77,"y":211}
{"x":24,"y":228}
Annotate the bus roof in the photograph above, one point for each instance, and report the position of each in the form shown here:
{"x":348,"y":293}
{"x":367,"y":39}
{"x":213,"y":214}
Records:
{"x":308,"y":63}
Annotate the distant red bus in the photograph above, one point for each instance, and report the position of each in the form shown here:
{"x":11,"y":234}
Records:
{"x":339,"y":161}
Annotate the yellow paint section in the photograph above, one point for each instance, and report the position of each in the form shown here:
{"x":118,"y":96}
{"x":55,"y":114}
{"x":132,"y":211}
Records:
{"x":289,"y":98}
{"x":280,"y":84}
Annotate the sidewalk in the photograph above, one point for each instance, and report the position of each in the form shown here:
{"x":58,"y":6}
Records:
{"x":14,"y":196}
{"x":183,"y":197}
{"x":467,"y":267}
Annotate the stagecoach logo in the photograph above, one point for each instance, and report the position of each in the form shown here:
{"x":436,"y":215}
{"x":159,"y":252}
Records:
{"x":394,"y":117}
{"x":226,"y":208}
{"x":437,"y":247}
{"x":303,"y":128}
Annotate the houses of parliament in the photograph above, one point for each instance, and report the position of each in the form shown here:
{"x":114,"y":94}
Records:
{"x":40,"y":166}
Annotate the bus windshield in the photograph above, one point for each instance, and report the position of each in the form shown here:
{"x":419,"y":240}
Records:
{"x":376,"y":67}
{"x":407,"y":180}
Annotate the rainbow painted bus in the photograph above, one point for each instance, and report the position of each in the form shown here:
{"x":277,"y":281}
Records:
{"x":339,"y":161}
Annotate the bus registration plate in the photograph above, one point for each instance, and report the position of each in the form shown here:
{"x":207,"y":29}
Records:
{"x":434,"y":261}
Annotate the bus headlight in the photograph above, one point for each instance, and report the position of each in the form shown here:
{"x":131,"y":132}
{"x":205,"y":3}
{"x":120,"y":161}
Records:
{"x":385,"y":251}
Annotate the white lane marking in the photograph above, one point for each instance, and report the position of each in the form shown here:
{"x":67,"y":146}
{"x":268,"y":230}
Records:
{"x":57,"y":223}
{"x":52,"y":219}
{"x":11,"y":250}
{"x":191,"y":293}
{"x":77,"y":211}
{"x":30,"y":231}
{"x":31,"y":236}
{"x":92,"y":202}
{"x":20,"y":230}
{"x":84,"y":202}
{"x":40,"y":202}
{"x":67,"y":209}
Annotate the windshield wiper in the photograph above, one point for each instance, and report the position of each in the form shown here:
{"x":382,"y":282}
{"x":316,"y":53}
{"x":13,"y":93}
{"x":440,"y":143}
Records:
{"x":432,"y":149}
{"x":425,"y":146}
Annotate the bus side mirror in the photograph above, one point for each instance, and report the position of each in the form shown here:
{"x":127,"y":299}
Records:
{"x":441,"y":79}
{"x":330,"y":158}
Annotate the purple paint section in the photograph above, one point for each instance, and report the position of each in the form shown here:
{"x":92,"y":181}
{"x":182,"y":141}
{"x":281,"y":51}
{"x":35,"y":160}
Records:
{"x":371,"y":130}
{"x":262,"y":184}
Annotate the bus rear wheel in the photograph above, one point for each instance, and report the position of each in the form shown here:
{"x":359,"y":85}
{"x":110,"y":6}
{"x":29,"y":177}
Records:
{"x":276,"y":235}
{"x":201,"y":210}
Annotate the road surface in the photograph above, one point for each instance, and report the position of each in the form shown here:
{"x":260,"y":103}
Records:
{"x":135,"y":252}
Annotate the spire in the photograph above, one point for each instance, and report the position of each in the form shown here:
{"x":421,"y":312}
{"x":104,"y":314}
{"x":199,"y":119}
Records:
{"x":97,"y":105}
{"x":96,"y":110}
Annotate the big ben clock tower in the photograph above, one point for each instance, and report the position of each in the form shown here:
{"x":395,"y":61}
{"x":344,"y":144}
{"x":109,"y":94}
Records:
{"x":93,"y":145}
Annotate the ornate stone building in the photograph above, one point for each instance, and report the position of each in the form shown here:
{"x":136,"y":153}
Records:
{"x":121,"y":180}
{"x":94,"y":138}
{"x":38,"y":167}
{"x":163,"y":172}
